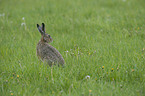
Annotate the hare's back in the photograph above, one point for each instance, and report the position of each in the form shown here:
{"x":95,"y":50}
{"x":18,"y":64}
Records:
{"x":49,"y":53}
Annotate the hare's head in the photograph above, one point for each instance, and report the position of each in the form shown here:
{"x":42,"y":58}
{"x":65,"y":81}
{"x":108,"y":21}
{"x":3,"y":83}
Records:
{"x":45,"y":37}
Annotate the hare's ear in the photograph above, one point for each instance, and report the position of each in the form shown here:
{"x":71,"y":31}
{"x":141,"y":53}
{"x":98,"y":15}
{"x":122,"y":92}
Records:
{"x":40,"y":29}
{"x":43,"y":27}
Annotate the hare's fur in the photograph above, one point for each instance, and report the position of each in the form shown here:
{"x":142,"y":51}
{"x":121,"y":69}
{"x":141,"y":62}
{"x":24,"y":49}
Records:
{"x":46,"y":52}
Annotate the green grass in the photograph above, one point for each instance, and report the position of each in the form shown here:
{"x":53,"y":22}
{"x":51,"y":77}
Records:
{"x":96,"y":33}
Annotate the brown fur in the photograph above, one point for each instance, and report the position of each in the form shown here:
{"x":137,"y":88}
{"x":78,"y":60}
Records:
{"x":48,"y":53}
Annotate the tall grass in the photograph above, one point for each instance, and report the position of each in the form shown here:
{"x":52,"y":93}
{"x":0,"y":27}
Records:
{"x":101,"y":41}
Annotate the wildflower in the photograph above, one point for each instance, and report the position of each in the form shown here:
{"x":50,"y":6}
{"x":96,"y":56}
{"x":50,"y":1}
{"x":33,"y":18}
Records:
{"x":96,"y":79}
{"x":102,"y":67}
{"x":11,"y":21}
{"x":22,"y":24}
{"x":78,"y":52}
{"x":138,"y":28}
{"x":113,"y":79}
{"x":132,"y":70}
{"x":66,"y":51}
{"x":117,"y":69}
{"x":52,"y":92}
{"x":23,"y":18}
{"x":12,"y":94}
{"x":121,"y":86}
{"x":87,"y":77}
{"x":11,"y":77}
{"x":89,"y":53}
{"x":90,"y":91}
{"x":143,"y":49}
{"x":112,"y":69}
{"x":18,"y":76}
{"x":61,"y":91}
{"x":3,"y":14}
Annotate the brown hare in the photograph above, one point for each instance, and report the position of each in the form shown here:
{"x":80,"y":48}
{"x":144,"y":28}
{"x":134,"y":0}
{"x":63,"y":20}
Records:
{"x":46,"y":52}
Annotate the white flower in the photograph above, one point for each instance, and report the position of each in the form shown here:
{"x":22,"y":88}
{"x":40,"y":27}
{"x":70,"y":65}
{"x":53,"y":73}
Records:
{"x":123,"y":0}
{"x":23,"y":18}
{"x":3,"y":14}
{"x":66,"y":51}
{"x":11,"y":21}
{"x":61,"y":91}
{"x":78,"y":52}
{"x":22,"y":24}
{"x":87,"y":77}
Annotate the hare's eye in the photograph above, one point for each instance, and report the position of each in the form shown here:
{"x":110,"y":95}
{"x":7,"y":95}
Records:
{"x":49,"y":36}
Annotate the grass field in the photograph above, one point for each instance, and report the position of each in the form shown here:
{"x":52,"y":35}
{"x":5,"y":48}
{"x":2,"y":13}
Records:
{"x":102,"y":42}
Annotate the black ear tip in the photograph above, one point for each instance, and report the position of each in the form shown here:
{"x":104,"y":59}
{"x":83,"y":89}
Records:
{"x":37,"y":25}
{"x":42,"y":23}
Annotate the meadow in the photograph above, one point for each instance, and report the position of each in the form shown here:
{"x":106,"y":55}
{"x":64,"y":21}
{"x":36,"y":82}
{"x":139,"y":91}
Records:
{"x":102,"y":42}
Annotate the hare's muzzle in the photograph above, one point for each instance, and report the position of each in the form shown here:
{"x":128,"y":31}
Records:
{"x":50,"y":39}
